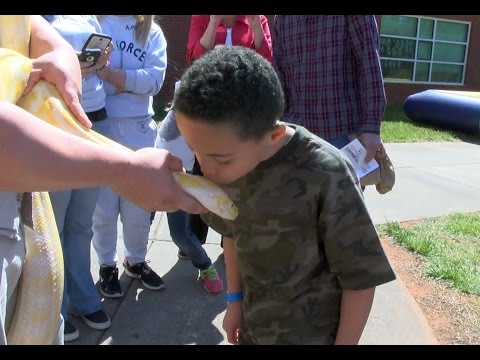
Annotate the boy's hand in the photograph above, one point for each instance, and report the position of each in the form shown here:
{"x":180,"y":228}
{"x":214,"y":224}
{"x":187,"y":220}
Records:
{"x":231,"y":321}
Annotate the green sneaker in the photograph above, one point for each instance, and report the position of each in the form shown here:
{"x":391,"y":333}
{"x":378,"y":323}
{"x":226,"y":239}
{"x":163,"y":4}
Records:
{"x":211,"y":281}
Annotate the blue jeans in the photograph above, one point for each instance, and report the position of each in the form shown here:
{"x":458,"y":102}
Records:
{"x":186,"y":240}
{"x":73,"y":214}
{"x":340,"y":141}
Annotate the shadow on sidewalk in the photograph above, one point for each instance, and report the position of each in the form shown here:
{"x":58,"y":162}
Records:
{"x":182,"y":313}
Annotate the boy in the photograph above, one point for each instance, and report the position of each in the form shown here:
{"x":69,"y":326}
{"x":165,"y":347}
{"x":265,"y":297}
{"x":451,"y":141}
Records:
{"x":303,"y":257}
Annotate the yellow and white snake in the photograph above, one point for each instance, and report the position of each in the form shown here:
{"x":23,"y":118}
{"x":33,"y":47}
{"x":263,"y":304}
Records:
{"x":37,"y":312}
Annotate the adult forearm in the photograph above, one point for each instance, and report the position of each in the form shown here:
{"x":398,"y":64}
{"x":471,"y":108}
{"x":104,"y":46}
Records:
{"x":45,"y":38}
{"x":36,"y":156}
{"x":355,"y":309}
{"x":208,"y":38}
{"x":116,"y":77}
{"x":258,"y":35}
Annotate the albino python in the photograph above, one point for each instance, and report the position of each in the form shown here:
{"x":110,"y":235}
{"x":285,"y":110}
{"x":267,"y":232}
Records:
{"x":36,"y":316}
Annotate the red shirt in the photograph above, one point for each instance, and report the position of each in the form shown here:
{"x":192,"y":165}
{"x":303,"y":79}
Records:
{"x":242,"y":35}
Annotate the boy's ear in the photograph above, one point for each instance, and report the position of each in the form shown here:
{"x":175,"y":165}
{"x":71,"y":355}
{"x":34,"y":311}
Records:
{"x":278,"y":132}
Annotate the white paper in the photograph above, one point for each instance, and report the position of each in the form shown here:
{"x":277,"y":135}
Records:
{"x":356,"y":153}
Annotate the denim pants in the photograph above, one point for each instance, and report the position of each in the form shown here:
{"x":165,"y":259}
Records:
{"x":134,"y":134}
{"x":340,"y":142}
{"x":185,"y":239}
{"x":73,"y":214}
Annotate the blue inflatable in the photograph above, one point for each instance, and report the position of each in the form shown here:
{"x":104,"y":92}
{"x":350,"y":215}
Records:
{"x":453,"y":110}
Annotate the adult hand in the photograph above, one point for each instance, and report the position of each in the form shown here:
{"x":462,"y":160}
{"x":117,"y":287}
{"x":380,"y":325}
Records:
{"x":61,"y":68}
{"x":149,"y":183}
{"x":254,"y":20}
{"x":215,"y":19}
{"x":103,"y":61}
{"x":372,"y":143}
{"x":101,"y":64}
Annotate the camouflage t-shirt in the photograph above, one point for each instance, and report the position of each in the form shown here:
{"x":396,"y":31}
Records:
{"x":302,"y":235}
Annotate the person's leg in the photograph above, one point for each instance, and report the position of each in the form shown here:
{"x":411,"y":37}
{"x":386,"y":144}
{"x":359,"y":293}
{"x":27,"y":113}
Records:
{"x":104,"y":241}
{"x":186,"y":240}
{"x":136,"y":134}
{"x":340,"y":141}
{"x":12,"y":254}
{"x":136,"y":228}
{"x":107,"y":209}
{"x":188,"y":243}
{"x":78,"y":233}
{"x":104,"y":227}
{"x":59,"y":336}
{"x":198,"y":227}
{"x":195,"y":222}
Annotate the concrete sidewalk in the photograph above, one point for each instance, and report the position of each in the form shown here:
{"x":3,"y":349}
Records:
{"x":432,"y":179}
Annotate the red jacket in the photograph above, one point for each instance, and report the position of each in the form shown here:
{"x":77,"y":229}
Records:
{"x":242,"y":35}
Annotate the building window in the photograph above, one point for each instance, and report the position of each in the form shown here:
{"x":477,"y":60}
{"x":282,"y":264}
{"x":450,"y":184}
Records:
{"x":423,"y":50}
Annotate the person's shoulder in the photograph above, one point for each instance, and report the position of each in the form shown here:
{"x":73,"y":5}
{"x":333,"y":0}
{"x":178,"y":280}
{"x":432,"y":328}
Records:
{"x":156,"y":33}
{"x":321,"y":154}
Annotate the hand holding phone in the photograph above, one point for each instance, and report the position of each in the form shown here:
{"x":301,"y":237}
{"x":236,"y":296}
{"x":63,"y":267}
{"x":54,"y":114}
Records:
{"x":97,"y":41}
{"x":89,"y":55}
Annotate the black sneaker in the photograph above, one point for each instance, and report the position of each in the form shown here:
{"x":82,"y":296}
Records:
{"x":70,"y":332}
{"x":109,"y":284}
{"x":182,"y":255}
{"x":97,"y":320}
{"x":142,"y":271}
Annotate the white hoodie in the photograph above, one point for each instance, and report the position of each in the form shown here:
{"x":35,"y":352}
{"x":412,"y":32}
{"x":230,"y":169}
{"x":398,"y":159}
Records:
{"x":145,"y":66}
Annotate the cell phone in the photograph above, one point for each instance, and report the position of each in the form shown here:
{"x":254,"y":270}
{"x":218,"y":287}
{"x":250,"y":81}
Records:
{"x":97,"y":41}
{"x":89,"y":55}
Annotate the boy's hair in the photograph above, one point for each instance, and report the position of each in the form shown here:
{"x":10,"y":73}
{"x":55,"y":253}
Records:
{"x":232,"y":86}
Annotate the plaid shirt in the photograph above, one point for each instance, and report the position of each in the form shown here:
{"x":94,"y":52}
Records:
{"x":329,"y":66}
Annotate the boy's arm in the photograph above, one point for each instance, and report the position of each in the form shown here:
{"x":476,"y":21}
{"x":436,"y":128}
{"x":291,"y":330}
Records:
{"x":233,"y":315}
{"x":354,"y":312}
{"x":234,"y":280}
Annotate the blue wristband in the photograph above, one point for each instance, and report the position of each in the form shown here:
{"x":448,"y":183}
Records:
{"x":234,"y":296}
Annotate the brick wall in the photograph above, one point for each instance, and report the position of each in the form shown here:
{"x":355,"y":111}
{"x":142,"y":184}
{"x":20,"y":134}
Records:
{"x":175,"y":28}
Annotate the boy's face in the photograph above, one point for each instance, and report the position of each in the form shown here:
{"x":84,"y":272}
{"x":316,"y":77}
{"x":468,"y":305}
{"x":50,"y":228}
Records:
{"x":223,"y":157}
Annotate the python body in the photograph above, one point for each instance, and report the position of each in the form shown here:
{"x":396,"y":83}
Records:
{"x":37,"y":313}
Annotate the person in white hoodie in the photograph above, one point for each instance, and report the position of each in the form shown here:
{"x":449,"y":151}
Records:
{"x":181,"y":231}
{"x":74,"y":208}
{"x":135,"y":74}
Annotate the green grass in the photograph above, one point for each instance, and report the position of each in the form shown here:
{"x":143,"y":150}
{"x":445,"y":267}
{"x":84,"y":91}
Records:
{"x":450,"y":245}
{"x":397,"y":127}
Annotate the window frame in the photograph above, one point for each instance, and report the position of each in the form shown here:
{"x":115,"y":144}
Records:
{"x":415,"y":61}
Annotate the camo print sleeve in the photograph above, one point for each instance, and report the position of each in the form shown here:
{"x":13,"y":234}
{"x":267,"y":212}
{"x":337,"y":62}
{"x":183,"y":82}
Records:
{"x":216,"y":223}
{"x":348,"y":236}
